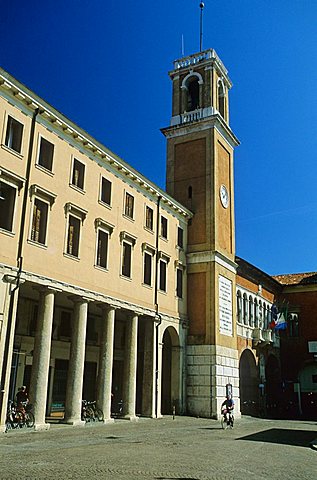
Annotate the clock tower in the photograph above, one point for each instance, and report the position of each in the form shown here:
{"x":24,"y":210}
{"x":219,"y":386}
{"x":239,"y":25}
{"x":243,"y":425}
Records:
{"x":200,"y":147}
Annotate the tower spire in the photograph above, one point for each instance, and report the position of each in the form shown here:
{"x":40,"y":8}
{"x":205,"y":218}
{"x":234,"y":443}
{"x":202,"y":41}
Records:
{"x":201,"y":6}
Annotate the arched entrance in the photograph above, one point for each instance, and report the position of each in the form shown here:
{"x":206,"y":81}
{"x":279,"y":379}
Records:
{"x":308,"y":388}
{"x":248,"y":374}
{"x":171,"y":372}
{"x":273,"y":385}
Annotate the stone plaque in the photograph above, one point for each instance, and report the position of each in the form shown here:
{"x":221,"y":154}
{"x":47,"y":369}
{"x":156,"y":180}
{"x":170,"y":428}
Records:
{"x":225,"y":306}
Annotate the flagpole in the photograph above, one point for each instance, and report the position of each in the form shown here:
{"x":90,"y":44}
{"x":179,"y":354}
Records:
{"x":201,"y":5}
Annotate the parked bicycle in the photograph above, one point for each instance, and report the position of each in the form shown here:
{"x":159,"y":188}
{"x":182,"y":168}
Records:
{"x":90,"y":412}
{"x":19,"y":416}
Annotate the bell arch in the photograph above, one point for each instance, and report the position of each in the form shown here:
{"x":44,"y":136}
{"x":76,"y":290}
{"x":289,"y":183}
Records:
{"x":192,"y":91}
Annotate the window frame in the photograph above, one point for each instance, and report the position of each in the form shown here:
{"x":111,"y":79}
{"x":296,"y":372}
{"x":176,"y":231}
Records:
{"x":80,"y":214}
{"x":129,"y":240}
{"x":73,"y":185}
{"x":5,"y":133}
{"x":38,"y":164}
{"x":180,"y":237}
{"x":15,"y":191}
{"x":105,"y":227}
{"x":150,"y":228}
{"x":179,"y":269}
{"x":163,"y":228}
{"x":103,"y":202}
{"x":48,"y":198}
{"x":150,"y":251}
{"x":127,"y":207}
{"x":163,"y":259}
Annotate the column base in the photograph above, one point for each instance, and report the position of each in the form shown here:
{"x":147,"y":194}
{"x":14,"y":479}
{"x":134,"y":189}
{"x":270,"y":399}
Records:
{"x":75,"y":422}
{"x":39,"y":427}
{"x":3,"y":428}
{"x":108,"y":420}
{"x":132,"y":418}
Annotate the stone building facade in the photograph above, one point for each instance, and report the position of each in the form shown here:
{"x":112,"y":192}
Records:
{"x":112,"y":289}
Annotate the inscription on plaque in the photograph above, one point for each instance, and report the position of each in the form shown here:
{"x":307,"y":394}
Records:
{"x":225,"y":305}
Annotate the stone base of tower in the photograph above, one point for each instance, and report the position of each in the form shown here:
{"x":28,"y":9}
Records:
{"x":209,"y":369}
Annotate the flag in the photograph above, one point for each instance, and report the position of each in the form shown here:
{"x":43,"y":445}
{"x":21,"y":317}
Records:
{"x":279,"y":316}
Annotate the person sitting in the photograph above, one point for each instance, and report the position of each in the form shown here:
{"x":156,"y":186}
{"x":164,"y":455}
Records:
{"x":227,"y":407}
{"x":22,"y":398}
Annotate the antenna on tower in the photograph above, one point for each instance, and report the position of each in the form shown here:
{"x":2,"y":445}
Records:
{"x":201,"y":6}
{"x":183,"y":45}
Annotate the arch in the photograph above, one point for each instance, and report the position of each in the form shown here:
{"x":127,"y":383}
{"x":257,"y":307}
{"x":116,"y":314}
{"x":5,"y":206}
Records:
{"x":239,"y":307}
{"x":245,"y":309}
{"x":251,"y":311}
{"x":191,"y":86}
{"x":221,"y":96}
{"x":171,"y":372}
{"x":249,"y":380}
{"x":308,"y":387}
{"x":273,"y":384}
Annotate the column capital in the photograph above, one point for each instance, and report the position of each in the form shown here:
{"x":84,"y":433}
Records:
{"x":13,"y":279}
{"x":46,"y":289}
{"x":79,"y":299}
{"x":107,"y":306}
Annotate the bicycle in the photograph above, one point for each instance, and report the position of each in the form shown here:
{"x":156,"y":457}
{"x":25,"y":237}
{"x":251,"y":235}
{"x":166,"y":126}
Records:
{"x":90,"y":412}
{"x":227,"y":419}
{"x":19,"y":416}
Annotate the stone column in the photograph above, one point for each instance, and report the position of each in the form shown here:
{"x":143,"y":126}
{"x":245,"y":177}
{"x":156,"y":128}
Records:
{"x":9,"y":285}
{"x":75,"y":376}
{"x":129,"y":400}
{"x":159,"y":354}
{"x":41,"y":358}
{"x":104,"y":383}
{"x":148,"y":383}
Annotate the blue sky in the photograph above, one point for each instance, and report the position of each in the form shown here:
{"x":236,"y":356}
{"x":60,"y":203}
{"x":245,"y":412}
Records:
{"x":104,"y":64}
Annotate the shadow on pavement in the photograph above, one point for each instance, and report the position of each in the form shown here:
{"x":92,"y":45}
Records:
{"x":300,"y":438}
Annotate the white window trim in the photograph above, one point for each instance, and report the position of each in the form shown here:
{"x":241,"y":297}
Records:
{"x":166,"y":259}
{"x":3,"y":179}
{"x":160,"y":233}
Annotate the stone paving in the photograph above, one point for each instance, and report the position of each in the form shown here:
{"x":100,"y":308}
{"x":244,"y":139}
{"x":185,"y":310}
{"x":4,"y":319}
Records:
{"x":186,"y":448}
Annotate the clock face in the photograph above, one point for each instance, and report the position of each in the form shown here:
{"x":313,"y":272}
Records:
{"x":224,"y":196}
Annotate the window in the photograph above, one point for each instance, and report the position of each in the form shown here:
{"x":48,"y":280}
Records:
{"x":179,"y":282}
{"x":149,"y":218}
{"x":126,"y":259}
{"x":127,"y":241}
{"x":7,"y":203}
{"x":78,"y":174}
{"x":193,"y":94}
{"x":39,"y":221}
{"x":164,"y":227}
{"x":73,"y":236}
{"x":129,"y":205}
{"x":245,"y":309}
{"x":180,"y":237}
{"x":163,"y":271}
{"x":251,"y":311}
{"x":221,"y":98}
{"x":147,"y":277}
{"x":46,"y":154}
{"x":293,"y":325}
{"x":14,"y":134}
{"x":105,"y":192}
{"x":239,"y":307}
{"x":102,"y":249}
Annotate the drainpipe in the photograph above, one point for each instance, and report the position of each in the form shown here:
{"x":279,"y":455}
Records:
{"x":19,"y":262}
{"x":157,"y":314}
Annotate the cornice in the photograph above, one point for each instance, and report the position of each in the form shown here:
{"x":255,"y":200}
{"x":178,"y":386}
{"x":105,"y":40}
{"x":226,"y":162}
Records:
{"x":214,"y":121}
{"x":81,"y":140}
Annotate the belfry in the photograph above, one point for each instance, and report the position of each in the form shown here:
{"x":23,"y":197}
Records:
{"x":200,"y":147}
